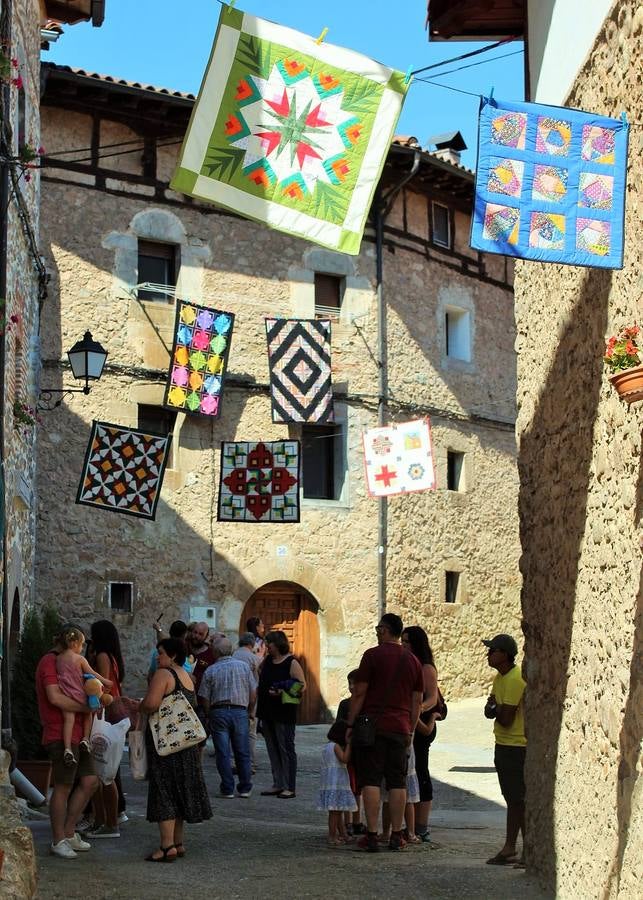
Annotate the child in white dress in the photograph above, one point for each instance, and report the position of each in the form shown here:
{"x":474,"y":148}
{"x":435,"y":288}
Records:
{"x":335,"y":794}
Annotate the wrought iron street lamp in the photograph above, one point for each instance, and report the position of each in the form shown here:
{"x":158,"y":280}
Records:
{"x":87,"y":359}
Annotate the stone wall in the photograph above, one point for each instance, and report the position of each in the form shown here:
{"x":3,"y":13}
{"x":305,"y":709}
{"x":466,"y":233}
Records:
{"x":19,"y":332}
{"x":581,"y":498}
{"x":185,"y":558}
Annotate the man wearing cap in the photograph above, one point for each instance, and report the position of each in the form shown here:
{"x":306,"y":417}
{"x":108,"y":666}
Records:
{"x":505,"y":705}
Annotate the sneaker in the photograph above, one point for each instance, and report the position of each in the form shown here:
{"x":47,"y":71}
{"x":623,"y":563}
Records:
{"x":122,"y":819}
{"x":84,"y":824}
{"x":368,"y":842}
{"x":78,"y":844}
{"x":396,"y":841}
{"x":103,"y":831}
{"x":244,"y":794}
{"x":63,"y":850}
{"x":226,"y":796}
{"x":69,"y":759}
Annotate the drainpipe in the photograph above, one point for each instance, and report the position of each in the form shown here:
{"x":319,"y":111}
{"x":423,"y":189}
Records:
{"x":5,"y":100}
{"x":381,"y":208}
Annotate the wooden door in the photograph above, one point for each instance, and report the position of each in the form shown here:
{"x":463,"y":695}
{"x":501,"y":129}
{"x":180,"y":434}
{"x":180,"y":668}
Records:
{"x":287,"y":607}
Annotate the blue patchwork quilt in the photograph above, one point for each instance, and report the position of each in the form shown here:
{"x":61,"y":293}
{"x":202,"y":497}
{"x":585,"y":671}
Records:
{"x":550,"y":184}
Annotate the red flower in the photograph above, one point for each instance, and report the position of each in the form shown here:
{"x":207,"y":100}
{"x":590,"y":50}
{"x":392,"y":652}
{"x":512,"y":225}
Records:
{"x":630,"y":349}
{"x":17,"y":81}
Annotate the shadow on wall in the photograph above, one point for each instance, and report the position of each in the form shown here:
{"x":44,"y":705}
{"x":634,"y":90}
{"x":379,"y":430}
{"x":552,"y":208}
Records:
{"x":554,"y":465}
{"x":80,"y":549}
{"x":631,"y":734}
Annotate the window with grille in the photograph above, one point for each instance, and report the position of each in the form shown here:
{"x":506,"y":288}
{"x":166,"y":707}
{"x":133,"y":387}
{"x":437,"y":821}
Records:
{"x":158,"y":264}
{"x":328,"y":295}
{"x":440,"y":225}
{"x":120,"y":596}
{"x":158,"y":420}
{"x":323,"y":461}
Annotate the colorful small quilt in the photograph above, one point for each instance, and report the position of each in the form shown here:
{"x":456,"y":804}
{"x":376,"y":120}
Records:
{"x":399,"y":458}
{"x":199,"y":359}
{"x":550,"y":184}
{"x":123,"y":470}
{"x":259,"y":481}
{"x":290,"y":132}
{"x":300,"y":379}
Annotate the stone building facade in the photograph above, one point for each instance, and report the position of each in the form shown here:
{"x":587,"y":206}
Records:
{"x":581,"y":500}
{"x":581,"y":479}
{"x":102,"y":212}
{"x":23,"y":287}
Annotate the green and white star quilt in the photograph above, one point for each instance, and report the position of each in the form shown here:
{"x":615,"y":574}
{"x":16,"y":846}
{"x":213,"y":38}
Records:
{"x":290,"y":132}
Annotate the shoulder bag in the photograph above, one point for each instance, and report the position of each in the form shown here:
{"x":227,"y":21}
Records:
{"x":175,"y":725}
{"x":365,"y":726}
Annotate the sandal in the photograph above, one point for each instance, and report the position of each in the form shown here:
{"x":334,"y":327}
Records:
{"x":501,"y":860}
{"x":180,"y":853}
{"x":162,"y":859}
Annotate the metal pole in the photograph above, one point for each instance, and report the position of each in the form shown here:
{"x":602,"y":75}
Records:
{"x":382,"y":387}
{"x":382,"y":206}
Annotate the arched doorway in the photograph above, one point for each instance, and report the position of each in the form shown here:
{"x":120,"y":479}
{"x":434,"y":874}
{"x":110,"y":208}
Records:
{"x":289,"y":607}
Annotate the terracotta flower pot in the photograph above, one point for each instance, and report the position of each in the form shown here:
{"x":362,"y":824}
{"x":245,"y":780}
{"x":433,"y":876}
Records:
{"x":629,"y":384}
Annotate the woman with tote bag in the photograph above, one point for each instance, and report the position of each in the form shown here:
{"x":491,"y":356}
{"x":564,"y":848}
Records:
{"x":176,"y":789}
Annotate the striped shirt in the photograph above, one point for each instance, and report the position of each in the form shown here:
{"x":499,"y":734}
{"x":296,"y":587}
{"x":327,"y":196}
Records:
{"x":227,"y":681}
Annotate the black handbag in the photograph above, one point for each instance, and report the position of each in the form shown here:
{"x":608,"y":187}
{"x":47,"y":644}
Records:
{"x":365,"y":726}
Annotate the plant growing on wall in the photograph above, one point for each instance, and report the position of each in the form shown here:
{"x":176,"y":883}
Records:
{"x":36,"y":637}
{"x":9,"y":68}
{"x":25,"y":416}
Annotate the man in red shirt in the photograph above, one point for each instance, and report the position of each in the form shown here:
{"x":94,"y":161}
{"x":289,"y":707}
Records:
{"x":388,"y":690}
{"x":65,"y":807}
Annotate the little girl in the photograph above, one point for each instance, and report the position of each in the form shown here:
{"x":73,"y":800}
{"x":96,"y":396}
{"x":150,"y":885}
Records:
{"x":335,"y":794}
{"x":71,"y":668}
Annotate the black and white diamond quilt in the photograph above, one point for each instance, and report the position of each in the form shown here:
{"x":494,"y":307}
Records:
{"x":300,"y":377}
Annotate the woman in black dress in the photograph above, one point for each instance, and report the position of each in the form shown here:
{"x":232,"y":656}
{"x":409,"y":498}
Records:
{"x":278,"y":718}
{"x":415,"y":639}
{"x":176,"y":790}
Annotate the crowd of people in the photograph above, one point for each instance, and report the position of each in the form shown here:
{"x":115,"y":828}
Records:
{"x":375,"y":761}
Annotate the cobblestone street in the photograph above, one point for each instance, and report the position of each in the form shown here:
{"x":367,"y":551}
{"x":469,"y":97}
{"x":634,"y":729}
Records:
{"x":269,"y":847}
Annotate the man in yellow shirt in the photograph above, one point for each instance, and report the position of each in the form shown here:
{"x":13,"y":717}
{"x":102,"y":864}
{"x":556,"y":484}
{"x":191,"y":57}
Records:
{"x":505,"y":705}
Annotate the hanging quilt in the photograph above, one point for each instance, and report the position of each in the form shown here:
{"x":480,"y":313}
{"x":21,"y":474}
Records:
{"x":399,"y":458}
{"x":123,"y":470}
{"x":290,"y":132}
{"x":259,"y":481}
{"x":199,"y":359}
{"x":550,"y":184}
{"x":300,"y":379}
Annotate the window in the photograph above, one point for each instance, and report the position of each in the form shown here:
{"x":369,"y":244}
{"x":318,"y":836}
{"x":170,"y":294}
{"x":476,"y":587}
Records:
{"x":157,"y":264}
{"x":457,"y":330}
{"x":322,"y":461}
{"x":120,"y":596}
{"x":451,"y":585}
{"x":328,"y":295}
{"x":160,"y":421}
{"x":455,"y":471}
{"x":440,"y":225}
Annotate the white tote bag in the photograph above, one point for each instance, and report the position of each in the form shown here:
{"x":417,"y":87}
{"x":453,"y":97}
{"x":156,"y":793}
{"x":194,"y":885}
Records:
{"x":137,"y":749}
{"x":106,"y":743}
